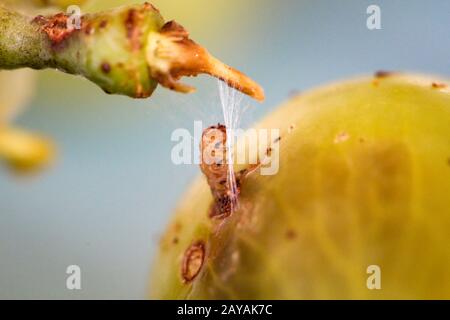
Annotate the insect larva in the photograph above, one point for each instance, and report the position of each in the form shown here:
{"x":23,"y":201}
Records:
{"x":214,"y":166}
{"x":224,"y":183}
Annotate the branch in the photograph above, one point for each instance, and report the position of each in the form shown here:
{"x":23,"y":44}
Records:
{"x":128,"y":50}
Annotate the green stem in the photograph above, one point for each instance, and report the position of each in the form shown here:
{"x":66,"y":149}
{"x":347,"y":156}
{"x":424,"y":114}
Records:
{"x":22,"y":44}
{"x":127,"y":50}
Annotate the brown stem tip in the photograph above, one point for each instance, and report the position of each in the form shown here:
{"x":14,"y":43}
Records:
{"x":171,"y":55}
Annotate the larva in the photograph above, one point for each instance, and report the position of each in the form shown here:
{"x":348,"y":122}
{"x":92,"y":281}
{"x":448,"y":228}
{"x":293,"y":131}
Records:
{"x":224,"y":183}
{"x":214,"y":166}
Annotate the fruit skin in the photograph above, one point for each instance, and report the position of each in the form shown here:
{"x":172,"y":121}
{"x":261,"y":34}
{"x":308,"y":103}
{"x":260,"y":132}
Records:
{"x":364,"y":180}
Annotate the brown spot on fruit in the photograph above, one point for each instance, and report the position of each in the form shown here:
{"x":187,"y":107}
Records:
{"x":192,"y":261}
{"x":291,"y":128}
{"x":341,"y":137}
{"x":291,"y":234}
{"x":106,"y":67}
{"x":436,"y":85}
{"x":382,"y":74}
{"x":103,"y":24}
{"x":178,"y":227}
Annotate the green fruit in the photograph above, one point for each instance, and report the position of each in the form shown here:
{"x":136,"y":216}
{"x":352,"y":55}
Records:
{"x":364,"y":180}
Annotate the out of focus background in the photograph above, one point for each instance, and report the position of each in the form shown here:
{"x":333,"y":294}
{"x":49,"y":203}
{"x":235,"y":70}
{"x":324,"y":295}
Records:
{"x":106,"y":199}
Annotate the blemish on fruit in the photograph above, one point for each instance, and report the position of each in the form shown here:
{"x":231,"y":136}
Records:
{"x":277,"y":139}
{"x":178,"y":226}
{"x":193,"y":261}
{"x":341,"y":137}
{"x":103,"y":24}
{"x":382,"y":74}
{"x":436,"y":85}
{"x":106,"y":67}
{"x":291,"y":234}
{"x":291,"y":128}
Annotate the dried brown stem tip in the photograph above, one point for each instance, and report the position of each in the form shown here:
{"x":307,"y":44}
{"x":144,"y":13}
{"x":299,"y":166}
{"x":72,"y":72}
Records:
{"x":171,"y":55}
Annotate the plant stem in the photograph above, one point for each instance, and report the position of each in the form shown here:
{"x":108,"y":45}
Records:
{"x":22,"y":44}
{"x":128,"y":50}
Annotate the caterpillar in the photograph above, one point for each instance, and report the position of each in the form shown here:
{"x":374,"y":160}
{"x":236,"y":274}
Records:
{"x":217,"y":171}
{"x":224,"y":183}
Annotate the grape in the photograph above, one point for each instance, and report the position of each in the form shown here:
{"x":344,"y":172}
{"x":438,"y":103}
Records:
{"x":364,"y":180}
